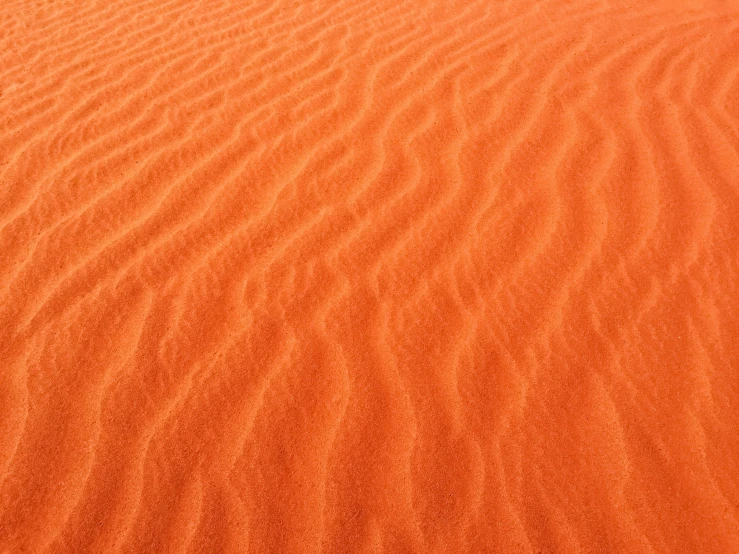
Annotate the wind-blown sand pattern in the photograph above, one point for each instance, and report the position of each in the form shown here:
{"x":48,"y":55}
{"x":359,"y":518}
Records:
{"x":350,"y":276}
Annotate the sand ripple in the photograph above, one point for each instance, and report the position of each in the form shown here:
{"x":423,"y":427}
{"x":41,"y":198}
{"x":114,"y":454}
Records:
{"x":369,"y":276}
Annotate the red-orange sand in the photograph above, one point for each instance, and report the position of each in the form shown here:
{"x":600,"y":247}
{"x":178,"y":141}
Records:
{"x":353,"y":276}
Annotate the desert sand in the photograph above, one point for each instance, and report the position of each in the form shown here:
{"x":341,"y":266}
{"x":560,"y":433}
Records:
{"x":349,"y":276}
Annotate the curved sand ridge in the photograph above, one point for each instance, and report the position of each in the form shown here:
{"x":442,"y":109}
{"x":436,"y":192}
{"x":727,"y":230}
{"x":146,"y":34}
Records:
{"x":354,"y":276}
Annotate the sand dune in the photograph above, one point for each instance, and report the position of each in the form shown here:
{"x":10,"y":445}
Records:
{"x":393,"y":276}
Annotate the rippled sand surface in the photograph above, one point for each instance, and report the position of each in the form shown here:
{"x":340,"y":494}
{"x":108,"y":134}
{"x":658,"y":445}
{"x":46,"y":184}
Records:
{"x":388,"y":276}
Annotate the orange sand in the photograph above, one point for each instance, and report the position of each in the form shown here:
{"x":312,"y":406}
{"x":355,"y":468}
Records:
{"x":400,"y":276}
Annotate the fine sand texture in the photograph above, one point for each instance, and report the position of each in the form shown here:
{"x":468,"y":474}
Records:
{"x":369,"y":276}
